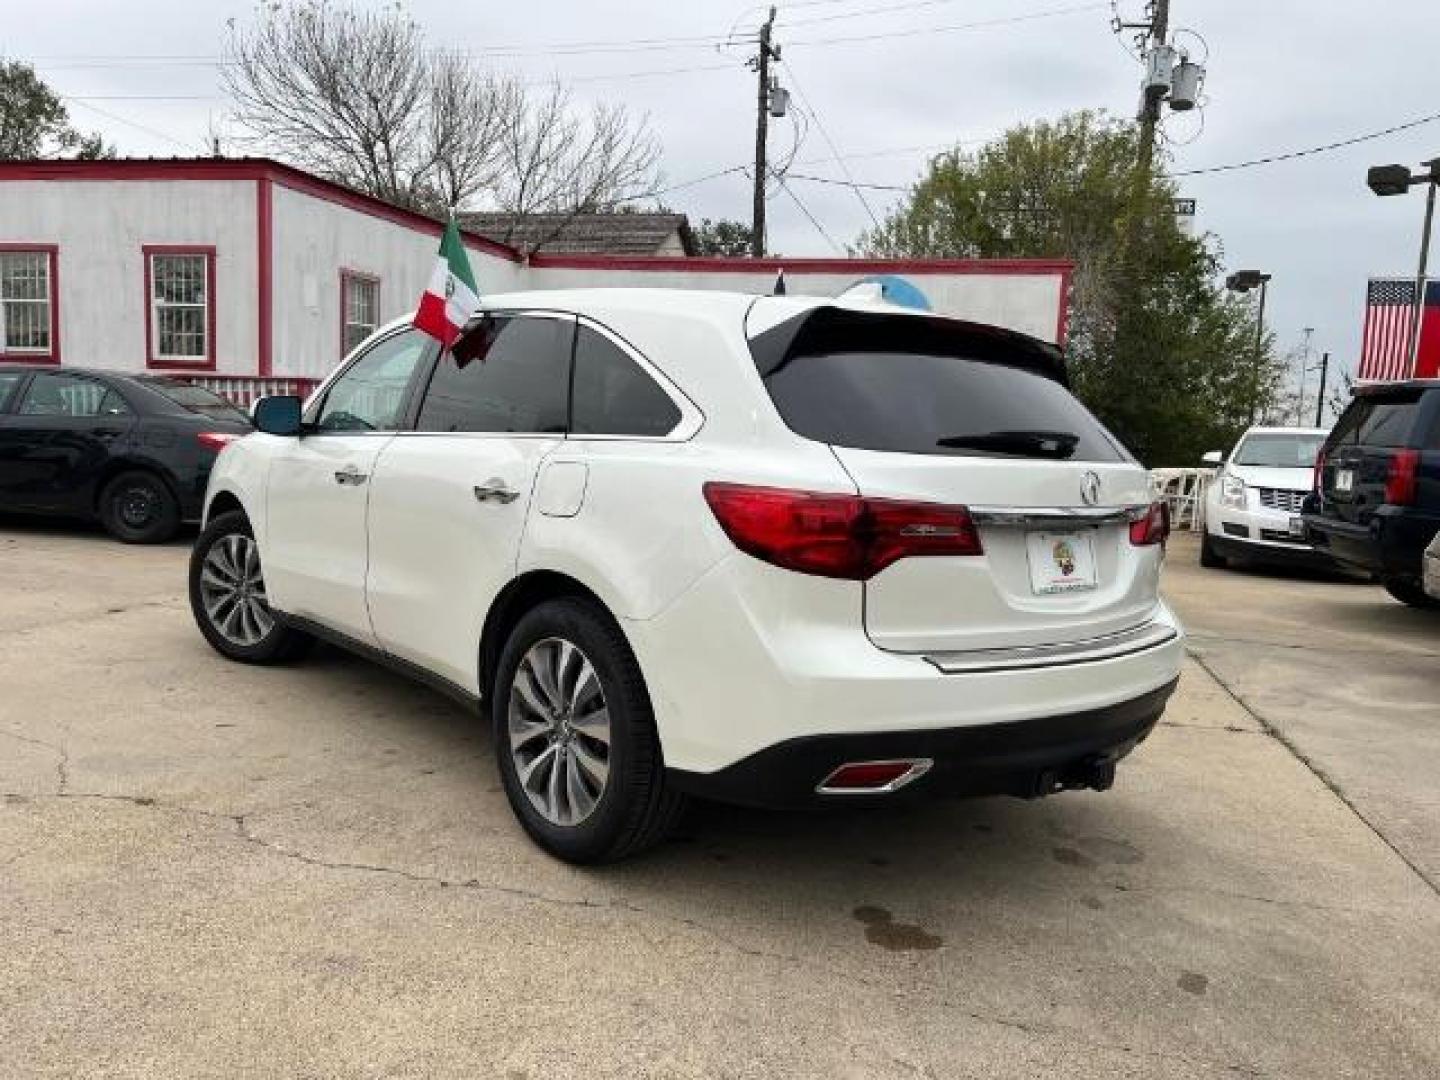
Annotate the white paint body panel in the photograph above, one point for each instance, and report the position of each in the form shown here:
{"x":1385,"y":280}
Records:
{"x":737,"y":654}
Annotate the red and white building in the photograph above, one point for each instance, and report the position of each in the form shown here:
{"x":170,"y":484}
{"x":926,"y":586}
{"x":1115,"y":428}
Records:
{"x":256,"y":277}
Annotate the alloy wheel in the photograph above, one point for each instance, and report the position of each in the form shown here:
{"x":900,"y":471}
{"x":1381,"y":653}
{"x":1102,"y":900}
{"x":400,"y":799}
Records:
{"x":559,"y":727}
{"x":232,"y":589}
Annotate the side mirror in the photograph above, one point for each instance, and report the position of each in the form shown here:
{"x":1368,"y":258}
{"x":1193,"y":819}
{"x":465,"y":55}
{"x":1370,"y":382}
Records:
{"x":1213,"y":457}
{"x":277,"y":415}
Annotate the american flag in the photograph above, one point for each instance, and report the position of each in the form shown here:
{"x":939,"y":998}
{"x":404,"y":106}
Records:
{"x":1387,"y":347}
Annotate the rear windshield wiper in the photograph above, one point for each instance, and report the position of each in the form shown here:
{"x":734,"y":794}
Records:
{"x":1044,"y":444}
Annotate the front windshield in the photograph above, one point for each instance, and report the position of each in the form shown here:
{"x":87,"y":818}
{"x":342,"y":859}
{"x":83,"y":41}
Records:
{"x":1279,"y":451}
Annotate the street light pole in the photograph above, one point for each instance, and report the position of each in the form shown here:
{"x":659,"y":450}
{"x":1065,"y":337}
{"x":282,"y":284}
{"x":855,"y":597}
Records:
{"x":1420,"y":273}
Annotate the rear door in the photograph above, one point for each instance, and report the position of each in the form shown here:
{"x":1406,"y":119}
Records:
{"x":925,"y":409}
{"x":449,"y":499}
{"x":57,"y":440}
{"x":315,"y":548}
{"x":1358,"y":453}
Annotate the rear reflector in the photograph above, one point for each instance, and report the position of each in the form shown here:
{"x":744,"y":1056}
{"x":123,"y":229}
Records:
{"x":216,"y":440}
{"x":1153,"y":528}
{"x":873,"y":777}
{"x":839,"y":536}
{"x":1402,"y":477}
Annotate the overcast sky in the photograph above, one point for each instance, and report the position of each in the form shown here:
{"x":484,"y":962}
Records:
{"x":907,"y":79}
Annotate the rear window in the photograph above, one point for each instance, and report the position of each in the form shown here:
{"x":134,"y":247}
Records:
{"x":924,"y":386}
{"x":197,"y":399}
{"x":1380,"y":420}
{"x":1279,"y":451}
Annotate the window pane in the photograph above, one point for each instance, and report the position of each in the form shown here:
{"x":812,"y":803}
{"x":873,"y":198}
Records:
{"x":181,"y":331}
{"x":24,"y":275}
{"x":27,"y":325}
{"x":112,"y":404}
{"x":518,"y":378}
{"x":361,"y":302}
{"x":613,"y":396}
{"x":371,"y":393}
{"x":196,"y":398}
{"x":921,"y":386}
{"x":62,"y":395}
{"x":178,"y":279}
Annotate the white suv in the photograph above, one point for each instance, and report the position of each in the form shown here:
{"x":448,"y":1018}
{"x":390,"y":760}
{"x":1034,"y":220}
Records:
{"x":776,"y":550}
{"x":1253,"y":504}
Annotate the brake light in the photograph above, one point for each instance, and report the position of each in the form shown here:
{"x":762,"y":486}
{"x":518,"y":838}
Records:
{"x":1317,"y":482}
{"x":1402,"y":477}
{"x":215,"y":440}
{"x":1153,"y":528}
{"x":838,"y":536}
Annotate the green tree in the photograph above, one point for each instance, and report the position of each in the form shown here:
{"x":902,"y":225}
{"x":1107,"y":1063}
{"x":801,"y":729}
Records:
{"x":34,"y":122}
{"x":1161,"y":353}
{"x":722,"y":237}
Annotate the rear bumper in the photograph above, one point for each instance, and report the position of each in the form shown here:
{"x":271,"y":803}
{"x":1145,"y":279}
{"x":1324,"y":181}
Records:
{"x":1025,"y":758}
{"x":1391,"y":545}
{"x":753,"y":657}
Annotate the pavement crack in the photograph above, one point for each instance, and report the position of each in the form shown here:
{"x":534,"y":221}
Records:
{"x":1320,"y":774}
{"x":62,"y":756}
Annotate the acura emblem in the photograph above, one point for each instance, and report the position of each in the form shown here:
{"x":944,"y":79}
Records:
{"x":1090,"y":488}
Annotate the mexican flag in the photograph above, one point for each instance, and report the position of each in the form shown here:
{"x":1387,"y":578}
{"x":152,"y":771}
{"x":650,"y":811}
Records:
{"x":451,"y":297}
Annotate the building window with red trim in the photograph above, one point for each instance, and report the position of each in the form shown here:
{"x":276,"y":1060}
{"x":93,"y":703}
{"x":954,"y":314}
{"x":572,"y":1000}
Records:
{"x":359,"y":308}
{"x":180,"y":306}
{"x":29,"y":323}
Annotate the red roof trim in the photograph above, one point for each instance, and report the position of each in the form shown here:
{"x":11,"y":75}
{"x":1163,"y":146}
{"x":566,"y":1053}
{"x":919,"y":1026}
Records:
{"x":705,"y":264}
{"x":242,"y":169}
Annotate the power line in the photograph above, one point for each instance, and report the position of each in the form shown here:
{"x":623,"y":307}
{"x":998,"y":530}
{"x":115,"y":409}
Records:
{"x":834,"y":150}
{"x":851,"y":184}
{"x":1273,"y":158}
{"x":865,"y":13}
{"x":982,"y":24}
{"x":811,"y":217}
{"x":138,"y":127}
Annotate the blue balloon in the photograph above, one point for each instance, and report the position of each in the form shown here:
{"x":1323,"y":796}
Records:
{"x":896,"y":290}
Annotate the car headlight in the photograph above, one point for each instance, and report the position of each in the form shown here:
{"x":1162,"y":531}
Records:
{"x":1232,"y":492}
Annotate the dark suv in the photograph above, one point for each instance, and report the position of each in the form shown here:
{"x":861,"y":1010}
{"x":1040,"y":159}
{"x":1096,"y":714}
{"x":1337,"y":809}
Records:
{"x":1376,"y":504}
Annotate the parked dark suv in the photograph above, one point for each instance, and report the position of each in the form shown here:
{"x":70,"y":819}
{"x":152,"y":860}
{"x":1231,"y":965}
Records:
{"x":1377,"y":486}
{"x":132,"y":450}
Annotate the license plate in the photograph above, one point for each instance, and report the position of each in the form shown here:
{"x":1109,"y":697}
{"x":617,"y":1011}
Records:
{"x":1344,"y":479}
{"x":1297,"y":526}
{"x":1060,"y":562}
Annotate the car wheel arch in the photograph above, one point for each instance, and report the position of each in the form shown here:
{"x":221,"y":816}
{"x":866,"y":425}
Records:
{"x":223,"y":502}
{"x":520,"y":595}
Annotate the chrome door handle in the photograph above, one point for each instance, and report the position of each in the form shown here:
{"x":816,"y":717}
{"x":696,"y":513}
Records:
{"x":350,"y":475}
{"x":495,"y":490}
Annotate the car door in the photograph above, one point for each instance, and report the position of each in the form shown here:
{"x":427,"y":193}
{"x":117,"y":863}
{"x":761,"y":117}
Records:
{"x":449,"y":499}
{"x":315,"y":547}
{"x":57,"y":440}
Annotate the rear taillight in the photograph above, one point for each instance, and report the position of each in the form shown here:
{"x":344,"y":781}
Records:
{"x":216,"y":440}
{"x":1402,"y":477}
{"x":1153,"y":528}
{"x":1317,"y":482}
{"x":839,"y":536}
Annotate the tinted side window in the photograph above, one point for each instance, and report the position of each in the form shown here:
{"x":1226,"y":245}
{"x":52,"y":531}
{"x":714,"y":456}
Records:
{"x":371,"y":394}
{"x":510,"y":373}
{"x":66,"y":395}
{"x":1389,"y":422}
{"x":8,"y":381}
{"x":613,"y":395}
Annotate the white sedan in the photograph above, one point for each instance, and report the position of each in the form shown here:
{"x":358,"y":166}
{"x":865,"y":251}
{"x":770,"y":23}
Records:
{"x":777,"y":550}
{"x":1253,"y":504}
{"x":1432,"y":568}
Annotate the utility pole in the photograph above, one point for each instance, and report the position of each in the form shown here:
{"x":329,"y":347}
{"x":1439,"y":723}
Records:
{"x":1158,"y":56}
{"x":1320,"y":401}
{"x":761,"y":63}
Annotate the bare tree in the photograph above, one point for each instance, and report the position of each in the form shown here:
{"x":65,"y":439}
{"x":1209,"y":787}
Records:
{"x":356,"y":96}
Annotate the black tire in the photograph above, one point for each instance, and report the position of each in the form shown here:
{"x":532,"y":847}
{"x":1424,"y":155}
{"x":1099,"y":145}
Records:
{"x":279,"y":643}
{"x":1209,"y":556}
{"x":635,"y":809}
{"x":138,"y":507}
{"x":1410,"y":592}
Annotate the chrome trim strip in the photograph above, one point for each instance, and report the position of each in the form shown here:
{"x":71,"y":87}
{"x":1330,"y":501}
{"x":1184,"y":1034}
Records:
{"x":1106,"y":647}
{"x":1032,"y":516}
{"x":918,"y":768}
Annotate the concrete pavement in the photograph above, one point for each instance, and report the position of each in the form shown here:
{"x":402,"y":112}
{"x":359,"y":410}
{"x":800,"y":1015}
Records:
{"x":213,"y":870}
